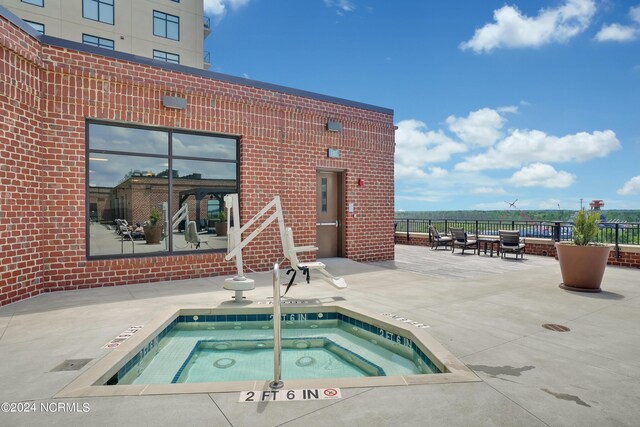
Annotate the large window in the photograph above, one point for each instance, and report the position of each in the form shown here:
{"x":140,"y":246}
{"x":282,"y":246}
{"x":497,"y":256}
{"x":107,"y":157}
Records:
{"x":165,"y":25}
{"x":97,"y":41}
{"x":166,"y":56}
{"x":134,"y":173}
{"x":98,"y":10}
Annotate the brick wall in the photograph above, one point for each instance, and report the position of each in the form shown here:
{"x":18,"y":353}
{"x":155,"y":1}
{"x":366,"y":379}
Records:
{"x":49,"y":91}
{"x":21,"y":187}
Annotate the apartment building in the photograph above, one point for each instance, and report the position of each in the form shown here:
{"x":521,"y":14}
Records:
{"x":166,"y":30}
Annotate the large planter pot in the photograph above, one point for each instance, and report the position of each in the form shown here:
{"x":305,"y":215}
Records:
{"x":153,"y":234}
{"x":221,"y":228}
{"x":582,"y":267}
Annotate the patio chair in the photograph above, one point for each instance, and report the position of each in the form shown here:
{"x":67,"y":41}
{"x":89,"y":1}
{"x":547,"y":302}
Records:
{"x":510,"y":242}
{"x":460,"y":240}
{"x":291,"y":253}
{"x":191,"y":235}
{"x":438,"y":239}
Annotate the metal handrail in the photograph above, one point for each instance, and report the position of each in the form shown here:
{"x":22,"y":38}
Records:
{"x":615,"y":233}
{"x":277,"y":338}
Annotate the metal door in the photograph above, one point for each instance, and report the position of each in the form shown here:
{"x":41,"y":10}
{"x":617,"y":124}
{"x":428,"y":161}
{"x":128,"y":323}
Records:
{"x":328,"y":214}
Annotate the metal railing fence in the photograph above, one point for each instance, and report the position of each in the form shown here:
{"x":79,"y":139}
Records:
{"x":627,"y":233}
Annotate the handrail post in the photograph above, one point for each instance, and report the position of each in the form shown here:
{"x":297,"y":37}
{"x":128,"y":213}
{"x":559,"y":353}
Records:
{"x":407,"y":230}
{"x":617,"y":241}
{"x":277,"y":340}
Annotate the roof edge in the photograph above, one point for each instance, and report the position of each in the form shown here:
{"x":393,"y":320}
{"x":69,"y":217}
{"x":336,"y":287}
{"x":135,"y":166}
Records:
{"x":68,"y":44}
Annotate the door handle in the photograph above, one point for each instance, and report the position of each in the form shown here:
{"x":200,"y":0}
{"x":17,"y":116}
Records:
{"x":333,"y":223}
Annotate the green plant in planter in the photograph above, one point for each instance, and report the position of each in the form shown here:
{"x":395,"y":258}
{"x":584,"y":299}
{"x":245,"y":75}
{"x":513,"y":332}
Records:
{"x":222,"y":216}
{"x":583,"y":262}
{"x":585,"y":228}
{"x":154,"y":216}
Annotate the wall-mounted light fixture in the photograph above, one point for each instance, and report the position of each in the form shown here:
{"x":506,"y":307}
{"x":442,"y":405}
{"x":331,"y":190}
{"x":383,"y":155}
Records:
{"x":333,"y":126}
{"x":174,"y":102}
{"x":360,"y":182}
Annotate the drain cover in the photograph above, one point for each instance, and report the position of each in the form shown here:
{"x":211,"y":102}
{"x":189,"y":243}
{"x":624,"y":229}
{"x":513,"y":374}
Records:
{"x":71,"y":365}
{"x":556,"y":328}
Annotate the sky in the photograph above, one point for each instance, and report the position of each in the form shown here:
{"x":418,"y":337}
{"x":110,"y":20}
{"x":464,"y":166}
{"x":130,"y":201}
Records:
{"x":534,"y":100}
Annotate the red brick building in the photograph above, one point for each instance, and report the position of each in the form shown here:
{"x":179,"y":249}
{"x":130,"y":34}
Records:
{"x":78,"y":120}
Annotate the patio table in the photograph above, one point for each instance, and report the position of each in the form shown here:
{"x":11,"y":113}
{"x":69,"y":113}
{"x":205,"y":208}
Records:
{"x":489,"y":241}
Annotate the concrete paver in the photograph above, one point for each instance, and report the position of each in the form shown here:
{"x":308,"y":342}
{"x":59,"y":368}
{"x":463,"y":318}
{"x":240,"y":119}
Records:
{"x":487,"y":311}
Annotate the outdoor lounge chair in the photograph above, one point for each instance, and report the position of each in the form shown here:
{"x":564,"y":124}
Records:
{"x":191,"y":234}
{"x":460,"y":240}
{"x":510,"y":242}
{"x":438,"y":239}
{"x":291,"y":253}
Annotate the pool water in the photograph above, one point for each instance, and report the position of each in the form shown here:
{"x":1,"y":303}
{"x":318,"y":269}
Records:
{"x":209,"y":364}
{"x":205,"y":351}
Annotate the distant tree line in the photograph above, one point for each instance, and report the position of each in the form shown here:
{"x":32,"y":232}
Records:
{"x":515,"y":215}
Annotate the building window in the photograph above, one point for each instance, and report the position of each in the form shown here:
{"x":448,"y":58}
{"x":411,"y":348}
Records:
{"x":97,"y":41}
{"x":98,"y":10}
{"x":34,"y":2}
{"x":165,"y":25}
{"x":166,"y":56}
{"x":36,"y":26}
{"x":134,"y":171}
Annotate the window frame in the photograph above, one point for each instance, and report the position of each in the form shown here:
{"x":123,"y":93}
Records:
{"x":170,"y":158}
{"x":166,"y":26}
{"x":113,"y":43}
{"x":165,"y":59}
{"x":37,"y":23}
{"x":98,"y":3}
{"x":40,"y":3}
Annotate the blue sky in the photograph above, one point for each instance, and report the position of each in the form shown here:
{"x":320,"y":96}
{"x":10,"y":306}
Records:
{"x":531,"y":100}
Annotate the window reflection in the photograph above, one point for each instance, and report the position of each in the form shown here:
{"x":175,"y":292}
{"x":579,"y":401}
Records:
{"x":198,"y":185}
{"x":131,"y":175}
{"x":126,"y":139}
{"x":121,"y":200}
{"x":212,"y":147}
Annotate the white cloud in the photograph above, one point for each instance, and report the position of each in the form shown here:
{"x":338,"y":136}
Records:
{"x":436,"y":172}
{"x":416,"y":147}
{"x":488,"y":190}
{"x":549,"y":204}
{"x":616,"y":33}
{"x":513,"y":109}
{"x":218,"y":8}
{"x":526,"y":146}
{"x":542,"y":175}
{"x":408,"y":172}
{"x":634,"y":13}
{"x":621,"y":33}
{"x":340,"y":5}
{"x":630,"y":187}
{"x":512,"y":29}
{"x":414,"y":172}
{"x":480,"y":128}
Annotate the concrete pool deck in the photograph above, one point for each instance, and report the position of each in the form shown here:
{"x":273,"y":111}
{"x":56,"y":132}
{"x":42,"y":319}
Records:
{"x":487,"y":311}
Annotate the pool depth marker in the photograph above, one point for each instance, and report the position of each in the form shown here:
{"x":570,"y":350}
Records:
{"x":122,"y":337}
{"x":290,"y":395}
